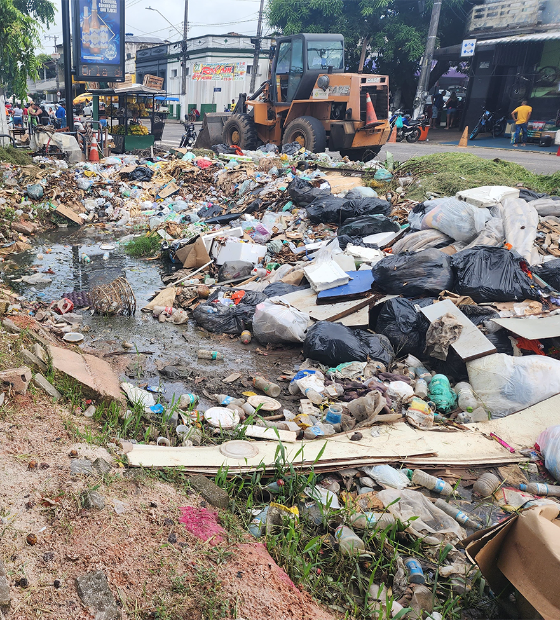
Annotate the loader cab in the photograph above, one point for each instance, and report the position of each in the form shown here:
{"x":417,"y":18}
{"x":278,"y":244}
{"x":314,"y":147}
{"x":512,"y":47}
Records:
{"x":298,"y":62}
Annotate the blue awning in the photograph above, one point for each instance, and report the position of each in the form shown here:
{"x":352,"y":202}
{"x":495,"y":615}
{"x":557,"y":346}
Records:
{"x":167,"y":98}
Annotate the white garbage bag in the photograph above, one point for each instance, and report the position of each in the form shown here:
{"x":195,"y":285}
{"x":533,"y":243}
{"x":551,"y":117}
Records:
{"x":492,"y":234}
{"x":277,"y":322}
{"x":520,"y":225}
{"x":506,"y":384}
{"x":458,"y":219}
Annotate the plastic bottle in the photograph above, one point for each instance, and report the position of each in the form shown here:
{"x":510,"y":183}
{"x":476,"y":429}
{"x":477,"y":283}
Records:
{"x":538,"y":488}
{"x":421,"y":388}
{"x":437,"y":485}
{"x":269,"y":388}
{"x":423,"y":373}
{"x":224,"y":399}
{"x":248,"y":409}
{"x":457,"y":514}
{"x":487,"y":484}
{"x":381,"y":521}
{"x":258,"y":523}
{"x":188,"y":400}
{"x":245,"y":337}
{"x":313,"y":396}
{"x":106,"y":256}
{"x":466,"y":398}
{"x":85,"y":258}
{"x":412,"y":361}
{"x":334,"y":414}
{"x":361,"y":408}
{"x":348,"y":540}
{"x":441,"y":394}
{"x":415,"y":572}
{"x":209,"y":355}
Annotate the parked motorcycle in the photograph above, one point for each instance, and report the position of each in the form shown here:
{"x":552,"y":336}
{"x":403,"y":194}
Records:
{"x":407,"y":129}
{"x":189,"y":137}
{"x":490,"y":122}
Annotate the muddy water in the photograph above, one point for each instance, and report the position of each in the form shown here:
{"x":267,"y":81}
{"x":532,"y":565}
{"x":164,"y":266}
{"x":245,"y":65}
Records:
{"x":170,"y":344}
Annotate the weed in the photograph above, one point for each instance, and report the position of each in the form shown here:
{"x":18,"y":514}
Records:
{"x":15,"y":156}
{"x":143,"y":247}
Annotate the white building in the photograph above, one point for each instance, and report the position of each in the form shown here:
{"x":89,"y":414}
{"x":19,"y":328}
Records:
{"x":219,"y":67}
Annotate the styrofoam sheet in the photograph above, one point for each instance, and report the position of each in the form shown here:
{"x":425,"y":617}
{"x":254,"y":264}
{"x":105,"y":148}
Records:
{"x":532,"y":328}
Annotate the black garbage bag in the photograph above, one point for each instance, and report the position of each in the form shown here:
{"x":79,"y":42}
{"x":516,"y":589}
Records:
{"x":425,"y":273}
{"x":334,"y":343}
{"x":222,"y":219}
{"x":224,"y":148}
{"x":404,"y":326}
{"x":368,"y":206}
{"x":492,"y":274}
{"x":549,"y":272}
{"x":268,"y":148}
{"x":367,"y":225}
{"x":277,"y":289}
{"x":501,"y":341}
{"x":344,"y":240}
{"x":209,"y":211}
{"x":478,"y":314}
{"x":234,"y":269}
{"x":327,"y":210}
{"x":254,"y":206}
{"x":291,"y":148}
{"x":251,"y":298}
{"x":224,"y":319}
{"x":140,"y":173}
{"x":303,"y":193}
{"x":453,"y":367}
{"x":528,"y":196}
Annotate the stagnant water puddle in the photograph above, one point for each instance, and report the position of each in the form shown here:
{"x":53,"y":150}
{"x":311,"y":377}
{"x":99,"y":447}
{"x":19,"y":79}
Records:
{"x":61,"y":252}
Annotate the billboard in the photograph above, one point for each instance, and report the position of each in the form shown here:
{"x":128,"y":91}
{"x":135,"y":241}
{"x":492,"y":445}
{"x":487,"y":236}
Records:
{"x":225,"y":72}
{"x":99,"y":40}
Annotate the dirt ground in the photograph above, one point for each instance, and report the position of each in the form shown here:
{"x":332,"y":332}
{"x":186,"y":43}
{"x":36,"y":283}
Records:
{"x":155,"y":568}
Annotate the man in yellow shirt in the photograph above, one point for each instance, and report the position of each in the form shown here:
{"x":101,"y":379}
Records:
{"x":521,"y":116}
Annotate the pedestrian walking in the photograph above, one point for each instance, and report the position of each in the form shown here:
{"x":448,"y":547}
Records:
{"x":437,"y":106}
{"x":521,"y":116}
{"x":17,"y":116}
{"x":451,"y":106}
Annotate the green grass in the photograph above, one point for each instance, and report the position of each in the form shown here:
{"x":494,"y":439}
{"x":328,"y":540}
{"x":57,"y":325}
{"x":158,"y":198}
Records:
{"x":447,"y":173}
{"x":143,"y":247}
{"x":15,"y":156}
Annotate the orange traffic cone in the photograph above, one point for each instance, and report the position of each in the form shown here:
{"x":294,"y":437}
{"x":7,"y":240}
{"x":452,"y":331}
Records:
{"x":371,"y":116}
{"x":393,"y":136}
{"x":558,"y":152}
{"x":464,"y":138}
{"x":93,"y":151}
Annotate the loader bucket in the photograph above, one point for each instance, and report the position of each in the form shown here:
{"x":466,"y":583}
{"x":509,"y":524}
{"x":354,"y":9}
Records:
{"x":211,"y":131}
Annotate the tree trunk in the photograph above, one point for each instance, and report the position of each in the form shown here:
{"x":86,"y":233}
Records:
{"x":3,"y":119}
{"x":363,"y":55}
{"x":397,"y":99}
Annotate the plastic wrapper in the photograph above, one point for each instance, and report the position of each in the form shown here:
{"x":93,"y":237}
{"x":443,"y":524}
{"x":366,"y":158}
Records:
{"x":387,"y":476}
{"x":291,"y":148}
{"x":549,"y":443}
{"x":224,"y":148}
{"x":234,"y":269}
{"x":458,"y":219}
{"x":421,"y":240}
{"x":224,"y":320}
{"x":506,"y":384}
{"x":403,"y":325}
{"x":334,"y":210}
{"x":425,"y":273}
{"x":368,"y":225}
{"x":491,"y":274}
{"x":549,"y":272}
{"x":479,"y":314}
{"x":417,"y":214}
{"x":334,"y":343}
{"x":405,"y":504}
{"x":140,"y":173}
{"x":520,"y":226}
{"x":250,"y":298}
{"x":275,"y":322}
{"x":547,"y":206}
{"x":278,"y":289}
{"x":303,"y":193}
{"x":492,"y":234}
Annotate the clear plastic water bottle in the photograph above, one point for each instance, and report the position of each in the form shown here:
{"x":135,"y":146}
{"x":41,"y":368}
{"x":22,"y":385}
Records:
{"x":421,"y":388}
{"x":313,"y":396}
{"x":467,"y":400}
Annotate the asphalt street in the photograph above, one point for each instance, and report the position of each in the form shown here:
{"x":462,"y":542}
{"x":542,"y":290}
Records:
{"x":542,"y":163}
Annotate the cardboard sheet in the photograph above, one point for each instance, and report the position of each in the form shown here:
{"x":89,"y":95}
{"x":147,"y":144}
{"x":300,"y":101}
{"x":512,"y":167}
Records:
{"x":164,"y":298}
{"x":532,"y":328}
{"x":524,"y":553}
{"x":194,"y":255}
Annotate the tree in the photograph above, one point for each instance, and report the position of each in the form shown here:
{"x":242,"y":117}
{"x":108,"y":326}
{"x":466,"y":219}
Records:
{"x":45,"y":63}
{"x":20,"y":25}
{"x":393,"y":31}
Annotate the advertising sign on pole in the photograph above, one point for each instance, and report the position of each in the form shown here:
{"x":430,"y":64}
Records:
{"x":99,"y":40}
{"x":468,"y":47}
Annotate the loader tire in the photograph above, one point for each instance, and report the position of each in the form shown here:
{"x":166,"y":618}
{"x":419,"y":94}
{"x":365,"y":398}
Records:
{"x":309,"y":132}
{"x":240,"y":130}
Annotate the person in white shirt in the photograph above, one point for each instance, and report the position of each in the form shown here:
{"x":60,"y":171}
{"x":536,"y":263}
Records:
{"x":88,"y":110}
{"x":17,"y":114}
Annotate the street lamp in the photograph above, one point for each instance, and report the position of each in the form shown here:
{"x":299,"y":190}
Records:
{"x":184,"y":50}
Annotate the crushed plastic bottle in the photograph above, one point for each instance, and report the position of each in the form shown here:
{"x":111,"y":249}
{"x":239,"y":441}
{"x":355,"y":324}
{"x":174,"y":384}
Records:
{"x":466,"y":398}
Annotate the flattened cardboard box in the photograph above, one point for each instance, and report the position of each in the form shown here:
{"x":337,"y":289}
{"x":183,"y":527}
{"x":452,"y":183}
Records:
{"x":523,"y":553}
{"x":193,"y":255}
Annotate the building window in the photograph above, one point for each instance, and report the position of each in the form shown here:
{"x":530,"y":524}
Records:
{"x":173,"y":73}
{"x":249,"y":69}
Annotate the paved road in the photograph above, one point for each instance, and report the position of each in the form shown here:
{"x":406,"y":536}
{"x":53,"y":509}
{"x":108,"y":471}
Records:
{"x":543,"y":163}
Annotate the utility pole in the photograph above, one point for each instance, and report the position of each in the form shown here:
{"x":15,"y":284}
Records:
{"x":67,"y":52}
{"x":426,"y":67}
{"x":184,"y":61}
{"x":257,"y":54}
{"x":54,"y":57}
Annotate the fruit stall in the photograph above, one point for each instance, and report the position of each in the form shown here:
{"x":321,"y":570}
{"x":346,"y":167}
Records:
{"x":134,"y":122}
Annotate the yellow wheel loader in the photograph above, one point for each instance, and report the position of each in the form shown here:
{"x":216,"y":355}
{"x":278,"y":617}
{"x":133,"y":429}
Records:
{"x":308,"y":99}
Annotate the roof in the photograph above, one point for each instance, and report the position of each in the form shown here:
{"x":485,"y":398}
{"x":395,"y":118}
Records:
{"x":132,"y":89}
{"x":143,"y":39}
{"x":551,"y":35}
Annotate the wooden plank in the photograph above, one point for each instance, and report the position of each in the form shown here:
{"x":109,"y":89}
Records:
{"x":472,"y":343}
{"x":69,"y":214}
{"x":532,"y":328}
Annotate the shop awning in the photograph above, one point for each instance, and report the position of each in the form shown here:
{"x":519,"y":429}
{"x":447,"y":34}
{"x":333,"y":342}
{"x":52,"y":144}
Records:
{"x":552,"y":35}
{"x":167,"y":98}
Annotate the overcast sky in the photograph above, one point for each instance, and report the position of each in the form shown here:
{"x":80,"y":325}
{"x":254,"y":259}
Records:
{"x":205,"y":17}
